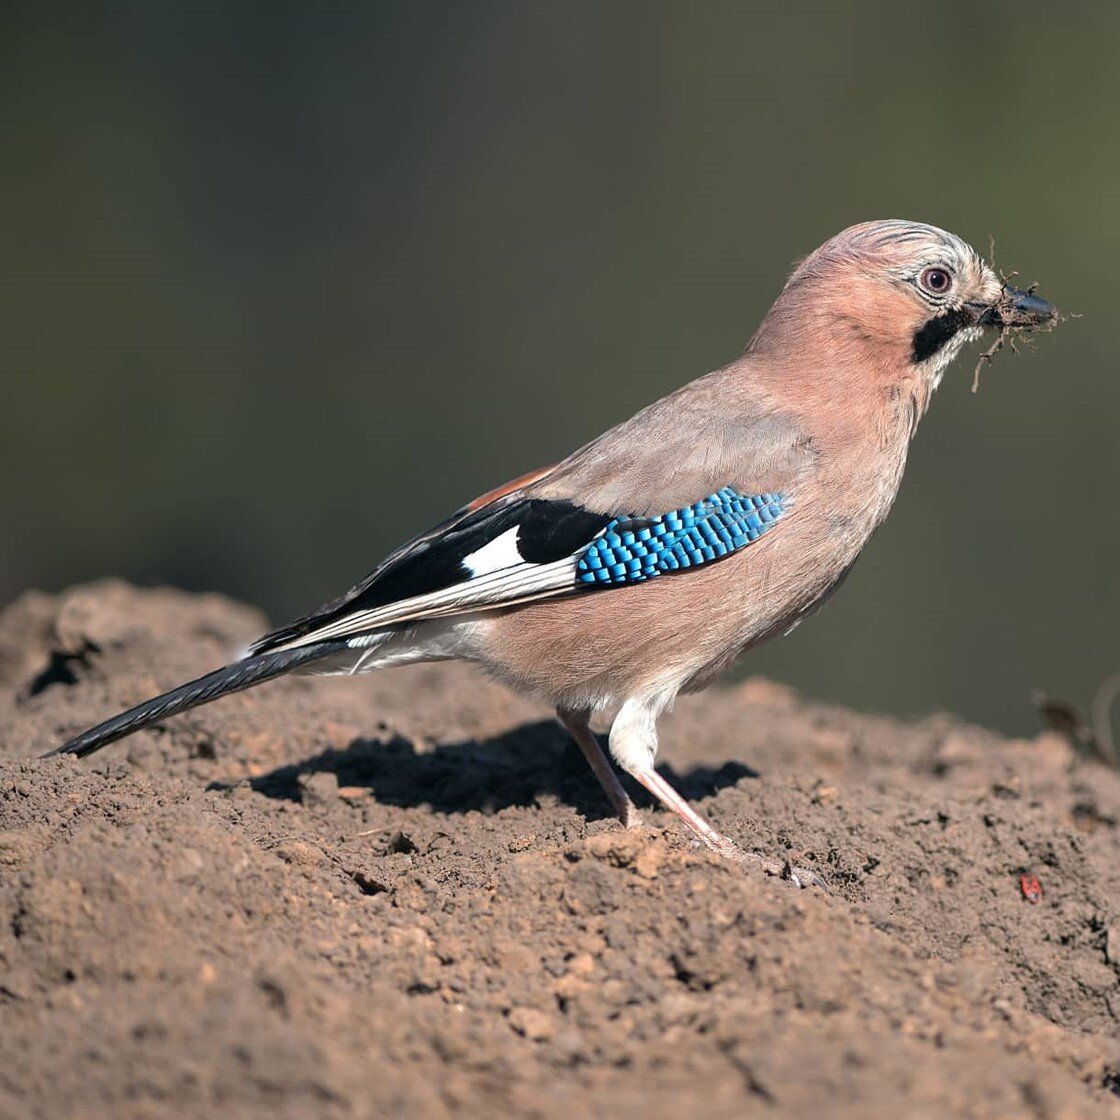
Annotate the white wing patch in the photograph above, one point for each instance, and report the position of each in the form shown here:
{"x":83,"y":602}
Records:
{"x":499,"y":554}
{"x":496,"y":589}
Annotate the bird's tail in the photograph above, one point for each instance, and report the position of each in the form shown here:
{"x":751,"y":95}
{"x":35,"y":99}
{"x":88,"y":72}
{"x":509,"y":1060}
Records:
{"x":233,"y":678}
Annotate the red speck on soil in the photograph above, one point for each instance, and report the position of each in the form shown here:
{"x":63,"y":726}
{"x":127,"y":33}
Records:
{"x":1031,"y":888}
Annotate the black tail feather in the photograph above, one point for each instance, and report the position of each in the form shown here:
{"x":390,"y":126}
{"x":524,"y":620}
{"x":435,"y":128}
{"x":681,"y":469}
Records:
{"x":233,"y":678}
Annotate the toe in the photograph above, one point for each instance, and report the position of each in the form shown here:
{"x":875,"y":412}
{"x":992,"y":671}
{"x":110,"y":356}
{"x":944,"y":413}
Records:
{"x":803,"y":877}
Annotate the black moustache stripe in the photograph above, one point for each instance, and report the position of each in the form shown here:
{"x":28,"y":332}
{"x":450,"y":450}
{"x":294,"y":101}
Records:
{"x":932,"y":335}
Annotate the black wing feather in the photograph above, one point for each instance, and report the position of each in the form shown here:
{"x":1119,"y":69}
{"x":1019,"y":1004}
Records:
{"x":546,"y":531}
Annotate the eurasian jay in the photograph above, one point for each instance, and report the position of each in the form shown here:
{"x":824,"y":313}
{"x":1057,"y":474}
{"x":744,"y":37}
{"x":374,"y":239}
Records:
{"x":717,"y":517}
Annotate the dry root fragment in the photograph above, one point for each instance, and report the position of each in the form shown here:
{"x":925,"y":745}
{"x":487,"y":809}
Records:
{"x":1014,"y":325}
{"x":1011,"y":333}
{"x":1003,"y":339}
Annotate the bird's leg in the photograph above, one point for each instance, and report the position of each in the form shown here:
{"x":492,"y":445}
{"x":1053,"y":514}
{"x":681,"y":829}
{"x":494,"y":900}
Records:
{"x":634,"y":745}
{"x":695,"y":823}
{"x":715,"y":840}
{"x":578,"y":726}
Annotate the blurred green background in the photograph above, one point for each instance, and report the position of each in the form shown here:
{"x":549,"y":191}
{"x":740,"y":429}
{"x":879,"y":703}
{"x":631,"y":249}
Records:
{"x":285,"y":283}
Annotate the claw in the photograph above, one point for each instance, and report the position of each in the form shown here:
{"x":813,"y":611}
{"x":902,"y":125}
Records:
{"x":803,"y":878}
{"x":800,"y":877}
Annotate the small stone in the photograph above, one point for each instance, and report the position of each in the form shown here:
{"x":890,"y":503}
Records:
{"x":298,"y":853}
{"x":825,"y":795}
{"x":532,"y":1024}
{"x":570,"y":987}
{"x":354,"y":793}
{"x":582,"y":964}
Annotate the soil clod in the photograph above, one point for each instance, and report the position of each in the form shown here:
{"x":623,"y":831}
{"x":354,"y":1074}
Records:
{"x":317,"y":918}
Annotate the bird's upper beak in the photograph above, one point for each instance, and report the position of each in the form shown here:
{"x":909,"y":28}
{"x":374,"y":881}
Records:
{"x":1016,"y":308}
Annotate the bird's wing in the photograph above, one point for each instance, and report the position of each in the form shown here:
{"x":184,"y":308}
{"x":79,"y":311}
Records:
{"x":408,"y":562}
{"x":667,"y":491}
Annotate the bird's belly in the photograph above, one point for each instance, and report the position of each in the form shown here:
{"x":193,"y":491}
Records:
{"x":600,"y":647}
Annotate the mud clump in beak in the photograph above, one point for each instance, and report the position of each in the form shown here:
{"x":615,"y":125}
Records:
{"x":1015,"y":313}
{"x":1020,"y":311}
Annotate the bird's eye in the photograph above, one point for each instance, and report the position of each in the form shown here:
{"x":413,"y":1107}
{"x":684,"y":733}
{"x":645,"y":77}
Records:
{"x":936,"y":280}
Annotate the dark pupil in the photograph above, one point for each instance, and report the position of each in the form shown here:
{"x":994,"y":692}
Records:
{"x":937,"y":280}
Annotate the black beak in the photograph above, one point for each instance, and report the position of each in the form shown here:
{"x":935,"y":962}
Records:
{"x":1017,"y":308}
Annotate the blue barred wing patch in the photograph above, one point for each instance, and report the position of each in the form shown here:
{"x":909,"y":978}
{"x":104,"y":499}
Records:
{"x":630,"y":550}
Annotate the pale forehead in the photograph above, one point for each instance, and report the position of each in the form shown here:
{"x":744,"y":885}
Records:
{"x":899,"y":240}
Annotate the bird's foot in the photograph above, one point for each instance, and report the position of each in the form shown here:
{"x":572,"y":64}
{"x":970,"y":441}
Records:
{"x":716,"y":841}
{"x":801,"y":877}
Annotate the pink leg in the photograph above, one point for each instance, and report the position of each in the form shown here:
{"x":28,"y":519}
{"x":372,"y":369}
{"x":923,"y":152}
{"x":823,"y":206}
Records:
{"x":577,"y":725}
{"x":696,"y":824}
{"x":716,"y":841}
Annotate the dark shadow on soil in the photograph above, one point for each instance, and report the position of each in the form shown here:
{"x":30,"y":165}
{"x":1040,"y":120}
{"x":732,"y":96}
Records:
{"x":513,"y":769}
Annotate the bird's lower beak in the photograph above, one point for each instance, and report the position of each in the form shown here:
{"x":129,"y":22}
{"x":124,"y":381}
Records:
{"x":1017,"y":308}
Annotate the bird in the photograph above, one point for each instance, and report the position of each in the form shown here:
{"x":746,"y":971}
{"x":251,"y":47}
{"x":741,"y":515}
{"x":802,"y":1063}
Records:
{"x":643,"y":564}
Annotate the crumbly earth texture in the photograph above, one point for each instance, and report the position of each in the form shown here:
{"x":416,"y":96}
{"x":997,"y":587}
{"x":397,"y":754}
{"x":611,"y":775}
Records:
{"x":402,"y":896}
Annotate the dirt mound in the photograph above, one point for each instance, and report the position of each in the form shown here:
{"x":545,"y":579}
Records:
{"x":402,"y":896}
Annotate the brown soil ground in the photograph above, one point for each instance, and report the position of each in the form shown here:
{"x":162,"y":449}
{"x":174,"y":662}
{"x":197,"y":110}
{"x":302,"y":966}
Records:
{"x":402,"y":896}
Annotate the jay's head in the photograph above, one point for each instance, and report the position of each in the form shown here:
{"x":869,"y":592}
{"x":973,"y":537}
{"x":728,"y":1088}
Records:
{"x":904,"y":295}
